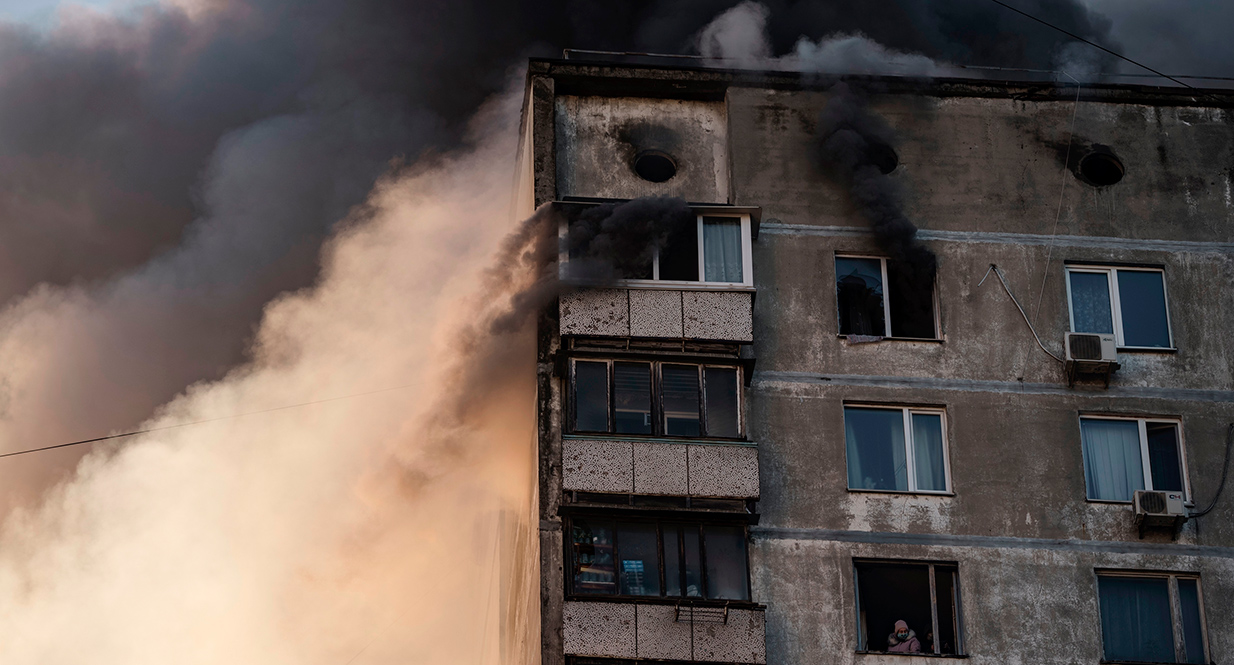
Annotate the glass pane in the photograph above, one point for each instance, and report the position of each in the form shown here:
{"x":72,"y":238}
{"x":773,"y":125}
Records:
{"x":1135,"y":619}
{"x":638,"y":559}
{"x":875,"y":444}
{"x":722,"y":249}
{"x":1193,"y":629}
{"x":632,"y":397}
{"x":679,"y":387}
{"x":910,"y":296}
{"x":944,"y":582}
{"x":726,"y":563}
{"x":672,"y":560}
{"x":1090,"y":302}
{"x":859,"y":295}
{"x":928,"y":452}
{"x":1163,"y":457}
{"x":1141,"y":301}
{"x":1112,"y":464}
{"x":721,"y":389}
{"x":679,"y":258}
{"x":694,"y":568}
{"x":593,"y":556}
{"x":590,"y":397}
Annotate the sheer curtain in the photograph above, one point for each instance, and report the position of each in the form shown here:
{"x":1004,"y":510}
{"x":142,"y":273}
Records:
{"x":1090,"y":302}
{"x":928,"y":452}
{"x":875,"y":446}
{"x":1136,"y":622}
{"x":1112,"y":465}
{"x":722,"y":250}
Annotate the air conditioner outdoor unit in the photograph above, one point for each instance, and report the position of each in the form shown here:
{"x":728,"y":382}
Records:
{"x":1158,"y":509}
{"x":1091,"y":353}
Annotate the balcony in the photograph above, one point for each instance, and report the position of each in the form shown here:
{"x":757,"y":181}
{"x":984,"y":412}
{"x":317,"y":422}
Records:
{"x":712,"y":633}
{"x":661,"y":467}
{"x":657,"y":312}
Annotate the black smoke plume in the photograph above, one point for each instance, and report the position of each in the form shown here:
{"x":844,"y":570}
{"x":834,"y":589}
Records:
{"x":618,"y":240}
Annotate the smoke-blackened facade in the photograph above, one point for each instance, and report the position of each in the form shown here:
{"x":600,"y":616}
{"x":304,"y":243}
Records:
{"x":803,"y":421}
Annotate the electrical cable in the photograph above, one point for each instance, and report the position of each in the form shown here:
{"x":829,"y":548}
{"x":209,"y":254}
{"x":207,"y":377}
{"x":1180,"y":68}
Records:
{"x":1225,"y":471}
{"x":197,"y":422}
{"x":1007,"y":288}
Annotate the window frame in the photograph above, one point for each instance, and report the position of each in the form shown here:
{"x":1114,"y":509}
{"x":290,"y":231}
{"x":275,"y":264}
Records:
{"x":1145,"y":464}
{"x":934,"y":299}
{"x":958,"y":597}
{"x":1176,"y":620}
{"x":910,"y":455}
{"x":1116,"y":312}
{"x":657,"y":406}
{"x":660,"y":523}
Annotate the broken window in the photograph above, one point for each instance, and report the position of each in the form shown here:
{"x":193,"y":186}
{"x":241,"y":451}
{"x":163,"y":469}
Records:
{"x":1122,"y":455}
{"x":671,"y":559}
{"x":1129,"y":303}
{"x":668,"y":399}
{"x":925,"y":596}
{"x":895,"y":449}
{"x":883,"y":298}
{"x":714,"y":250}
{"x":1152,"y":618}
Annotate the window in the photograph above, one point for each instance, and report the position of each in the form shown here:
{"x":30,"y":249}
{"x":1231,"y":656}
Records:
{"x":1122,"y":455}
{"x":926,"y":596}
{"x":1151,"y":618}
{"x":714,"y":250}
{"x":660,"y":398}
{"x":668,"y":559}
{"x":896,"y":449}
{"x":884,"y":298}
{"x":1128,"y":303}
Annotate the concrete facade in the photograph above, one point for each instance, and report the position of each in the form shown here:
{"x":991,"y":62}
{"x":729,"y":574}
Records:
{"x":987,"y":174}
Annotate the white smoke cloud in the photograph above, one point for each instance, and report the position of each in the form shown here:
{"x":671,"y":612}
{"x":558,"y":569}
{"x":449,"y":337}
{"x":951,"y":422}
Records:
{"x":362,"y":530}
{"x":738,"y":34}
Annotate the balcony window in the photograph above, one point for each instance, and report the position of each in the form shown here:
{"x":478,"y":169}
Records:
{"x":715,"y":250}
{"x":656,"y":398}
{"x":896,"y":449}
{"x":660,"y":559}
{"x":1151,"y":618}
{"x":881,"y":298}
{"x":1122,"y":455}
{"x":1129,"y":303}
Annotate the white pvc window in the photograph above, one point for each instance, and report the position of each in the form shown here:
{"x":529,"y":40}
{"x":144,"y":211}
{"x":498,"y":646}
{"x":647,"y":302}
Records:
{"x":718,"y":251}
{"x":896,"y":449}
{"x":1129,"y":303}
{"x":1122,"y":455}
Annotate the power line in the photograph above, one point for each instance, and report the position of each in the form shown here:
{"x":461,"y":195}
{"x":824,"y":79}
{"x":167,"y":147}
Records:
{"x":198,"y":422}
{"x":1092,"y":44}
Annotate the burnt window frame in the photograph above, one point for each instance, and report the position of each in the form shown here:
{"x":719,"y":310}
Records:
{"x":957,"y":597}
{"x":657,"y":406}
{"x":1116,"y":312}
{"x":1176,"y":626}
{"x":702,"y":522}
{"x":935,"y":302}
{"x":1142,"y":423}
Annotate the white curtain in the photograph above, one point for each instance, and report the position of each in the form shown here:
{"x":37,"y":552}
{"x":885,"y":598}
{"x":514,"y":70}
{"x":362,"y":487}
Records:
{"x":928,"y":452}
{"x":875,"y":446}
{"x":1112,"y":464}
{"x":722,"y":250}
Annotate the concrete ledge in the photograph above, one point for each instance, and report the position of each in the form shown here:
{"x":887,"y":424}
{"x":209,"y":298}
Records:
{"x":630,"y":630}
{"x":720,"y":315}
{"x":714,"y":470}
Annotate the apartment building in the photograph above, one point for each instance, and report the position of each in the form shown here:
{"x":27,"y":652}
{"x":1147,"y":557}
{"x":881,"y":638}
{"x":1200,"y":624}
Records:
{"x":774,"y":441}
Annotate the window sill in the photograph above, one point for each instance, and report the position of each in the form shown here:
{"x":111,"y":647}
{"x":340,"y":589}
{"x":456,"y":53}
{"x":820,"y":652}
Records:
{"x":1147,"y":349}
{"x":912,"y":655}
{"x":935,"y":340}
{"x":636,"y":438}
{"x":857,"y":490}
{"x":665,"y":285}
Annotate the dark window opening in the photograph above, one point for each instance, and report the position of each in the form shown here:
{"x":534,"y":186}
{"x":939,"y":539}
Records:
{"x":654,"y":166}
{"x":908,"y":607}
{"x":679,"y":257}
{"x":884,"y":298}
{"x":1139,"y":619}
{"x":653,"y":398}
{"x":658,"y":559}
{"x":911,"y":300}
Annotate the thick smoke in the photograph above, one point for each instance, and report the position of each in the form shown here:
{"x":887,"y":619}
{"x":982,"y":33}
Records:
{"x":618,"y":240}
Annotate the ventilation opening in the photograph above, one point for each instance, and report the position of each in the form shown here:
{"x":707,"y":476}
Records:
{"x":883,"y":156}
{"x":1101,"y":167}
{"x":654,"y":166}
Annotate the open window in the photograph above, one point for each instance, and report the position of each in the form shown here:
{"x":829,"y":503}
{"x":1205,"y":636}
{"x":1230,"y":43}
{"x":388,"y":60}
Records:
{"x":1129,"y":303}
{"x":658,"y":558}
{"x":1152,"y":617}
{"x":1122,"y":455}
{"x":896,"y":449}
{"x":656,"y":398}
{"x":715,"y":250}
{"x":883,"y":298}
{"x":925,"y":596}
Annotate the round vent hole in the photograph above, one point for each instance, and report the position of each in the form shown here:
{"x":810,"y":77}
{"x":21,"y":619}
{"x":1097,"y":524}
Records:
{"x":654,"y":166}
{"x":1101,"y":168}
{"x":883,"y":156}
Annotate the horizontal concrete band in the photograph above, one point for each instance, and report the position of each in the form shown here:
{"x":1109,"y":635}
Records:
{"x":997,"y":542}
{"x":986,"y":237}
{"x":766,"y":379}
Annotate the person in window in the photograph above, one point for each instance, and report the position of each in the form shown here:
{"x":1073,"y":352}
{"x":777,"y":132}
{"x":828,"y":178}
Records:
{"x":903,"y":640}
